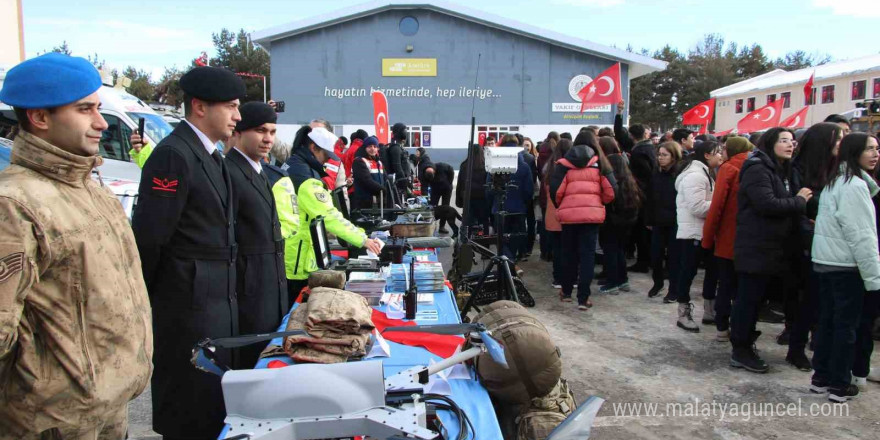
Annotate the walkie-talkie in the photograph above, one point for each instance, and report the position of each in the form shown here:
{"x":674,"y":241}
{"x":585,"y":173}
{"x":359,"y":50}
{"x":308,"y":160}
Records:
{"x":140,"y":132}
{"x":411,"y":296}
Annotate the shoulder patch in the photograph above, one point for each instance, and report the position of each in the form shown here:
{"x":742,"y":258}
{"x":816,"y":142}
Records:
{"x":10,"y":265}
{"x":321,"y":196}
{"x":165,"y":185}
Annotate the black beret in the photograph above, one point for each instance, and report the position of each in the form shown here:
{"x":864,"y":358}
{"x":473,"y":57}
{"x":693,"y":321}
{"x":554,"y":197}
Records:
{"x":255,"y":114}
{"x":213,"y":84}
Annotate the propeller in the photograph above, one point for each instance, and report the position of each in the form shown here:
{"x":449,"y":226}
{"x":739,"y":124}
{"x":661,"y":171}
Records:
{"x":578,"y":424}
{"x":496,"y":351}
{"x":440,"y":329}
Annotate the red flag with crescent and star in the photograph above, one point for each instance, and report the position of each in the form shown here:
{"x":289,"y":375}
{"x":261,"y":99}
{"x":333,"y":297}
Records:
{"x":380,"y":116}
{"x":761,"y":119}
{"x":797,"y":120}
{"x":701,"y":114}
{"x":605,"y":89}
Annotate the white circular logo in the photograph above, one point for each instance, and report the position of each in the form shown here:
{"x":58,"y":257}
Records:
{"x":576,"y":84}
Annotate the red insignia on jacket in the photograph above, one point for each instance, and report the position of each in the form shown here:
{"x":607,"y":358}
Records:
{"x":165,"y":184}
{"x":10,"y":265}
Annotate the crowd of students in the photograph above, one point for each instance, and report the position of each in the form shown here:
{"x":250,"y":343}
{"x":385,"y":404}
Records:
{"x":784,"y":216}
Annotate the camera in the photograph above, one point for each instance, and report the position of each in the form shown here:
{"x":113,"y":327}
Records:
{"x":277,"y":105}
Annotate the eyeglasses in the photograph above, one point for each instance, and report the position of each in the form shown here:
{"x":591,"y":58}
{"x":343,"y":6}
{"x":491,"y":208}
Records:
{"x":787,"y":141}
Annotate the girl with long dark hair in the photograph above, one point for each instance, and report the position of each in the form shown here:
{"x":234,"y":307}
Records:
{"x":694,"y":187}
{"x":845,"y":255}
{"x":551,"y":222}
{"x":765,"y":225}
{"x":620,"y":215}
{"x":814,"y":164}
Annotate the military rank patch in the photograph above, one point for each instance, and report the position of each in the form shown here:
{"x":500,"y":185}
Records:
{"x":10,"y":265}
{"x":165,"y":185}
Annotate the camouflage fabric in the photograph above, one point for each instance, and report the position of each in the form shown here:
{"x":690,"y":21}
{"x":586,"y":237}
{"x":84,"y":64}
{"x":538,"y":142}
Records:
{"x":76,"y":339}
{"x":334,"y":279}
{"x":337,"y":311}
{"x":544,"y":414}
{"x":331,"y":347}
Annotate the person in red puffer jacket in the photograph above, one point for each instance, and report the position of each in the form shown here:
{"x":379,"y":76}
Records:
{"x":719,"y":231}
{"x":357,"y":139}
{"x":581,"y":184}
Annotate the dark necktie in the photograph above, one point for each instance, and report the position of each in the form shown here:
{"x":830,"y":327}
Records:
{"x":218,"y":158}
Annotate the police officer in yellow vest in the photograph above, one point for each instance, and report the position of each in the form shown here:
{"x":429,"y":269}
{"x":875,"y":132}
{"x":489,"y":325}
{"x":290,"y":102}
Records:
{"x":312,"y":147}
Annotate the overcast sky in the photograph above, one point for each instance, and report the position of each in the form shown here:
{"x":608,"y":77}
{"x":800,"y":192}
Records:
{"x":157,"y":33}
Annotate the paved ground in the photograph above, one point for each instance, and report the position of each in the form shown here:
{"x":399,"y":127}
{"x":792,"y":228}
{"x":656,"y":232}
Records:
{"x":627,"y":350}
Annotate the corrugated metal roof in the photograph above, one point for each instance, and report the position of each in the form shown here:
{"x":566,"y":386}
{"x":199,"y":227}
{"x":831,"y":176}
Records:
{"x":639,"y":64}
{"x":780,"y":78}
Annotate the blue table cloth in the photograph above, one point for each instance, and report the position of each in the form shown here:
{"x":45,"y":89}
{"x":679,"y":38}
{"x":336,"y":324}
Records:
{"x":470,"y":395}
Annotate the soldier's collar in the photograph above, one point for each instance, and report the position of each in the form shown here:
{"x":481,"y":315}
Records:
{"x":34,"y":153}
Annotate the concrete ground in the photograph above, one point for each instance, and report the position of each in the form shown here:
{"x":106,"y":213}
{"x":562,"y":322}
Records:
{"x":627,"y":350}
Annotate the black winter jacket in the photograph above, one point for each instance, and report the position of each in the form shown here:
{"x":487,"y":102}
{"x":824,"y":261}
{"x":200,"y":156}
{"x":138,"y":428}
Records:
{"x":767,"y":216}
{"x":622,"y":136}
{"x":478,"y":179}
{"x":643,"y":163}
{"x":660,"y":207}
{"x":615,"y":213}
{"x":444,"y":175}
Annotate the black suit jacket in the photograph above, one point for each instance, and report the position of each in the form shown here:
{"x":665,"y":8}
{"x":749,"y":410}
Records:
{"x":260,"y":278}
{"x":184,"y":232}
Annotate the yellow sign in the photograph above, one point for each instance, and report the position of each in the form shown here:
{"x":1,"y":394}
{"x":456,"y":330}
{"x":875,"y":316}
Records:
{"x":409,"y":66}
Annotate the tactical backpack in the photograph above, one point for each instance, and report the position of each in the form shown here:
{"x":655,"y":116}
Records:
{"x":532,"y":356}
{"x":544,"y":414}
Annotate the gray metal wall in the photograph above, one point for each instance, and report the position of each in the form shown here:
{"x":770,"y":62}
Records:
{"x":525,"y":75}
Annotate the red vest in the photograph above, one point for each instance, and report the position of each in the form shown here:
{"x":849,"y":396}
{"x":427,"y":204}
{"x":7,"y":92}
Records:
{"x":583,"y":194}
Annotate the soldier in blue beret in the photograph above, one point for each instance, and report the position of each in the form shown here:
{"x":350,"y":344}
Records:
{"x":76,"y":341}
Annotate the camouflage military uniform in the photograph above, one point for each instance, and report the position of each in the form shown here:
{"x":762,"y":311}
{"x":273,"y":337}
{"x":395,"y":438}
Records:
{"x":75,"y":329}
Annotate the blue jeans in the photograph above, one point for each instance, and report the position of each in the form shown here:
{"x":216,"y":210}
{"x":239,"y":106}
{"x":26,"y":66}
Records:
{"x":613,"y":239}
{"x":840,"y":305}
{"x":579,"y":248}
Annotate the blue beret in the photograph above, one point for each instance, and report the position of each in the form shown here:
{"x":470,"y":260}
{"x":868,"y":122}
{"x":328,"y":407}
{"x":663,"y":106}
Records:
{"x":49,"y":80}
{"x":213,"y":84}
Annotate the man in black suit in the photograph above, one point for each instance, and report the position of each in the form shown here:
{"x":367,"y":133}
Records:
{"x":260,"y":278}
{"x":183,"y":224}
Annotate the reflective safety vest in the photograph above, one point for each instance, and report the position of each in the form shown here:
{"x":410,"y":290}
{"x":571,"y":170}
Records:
{"x":288,"y":215}
{"x":314,"y":200}
{"x":140,"y":158}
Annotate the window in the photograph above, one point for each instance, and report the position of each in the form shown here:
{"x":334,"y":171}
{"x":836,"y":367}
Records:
{"x":858,"y":90}
{"x":811,"y":99}
{"x":876,"y":93}
{"x":750,"y":104}
{"x":115,"y":140}
{"x":418,"y":136}
{"x":408,"y":26}
{"x":739,"y":105}
{"x":786,"y":99}
{"x":827,"y":94}
{"x":771,"y":98}
{"x":497,"y":132}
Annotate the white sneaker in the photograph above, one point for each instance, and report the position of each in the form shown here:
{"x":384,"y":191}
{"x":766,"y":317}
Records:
{"x":874,"y":375}
{"x":860,"y":382}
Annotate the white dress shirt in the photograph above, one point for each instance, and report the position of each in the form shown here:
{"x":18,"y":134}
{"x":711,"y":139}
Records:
{"x":256,"y":166}
{"x":205,"y":141}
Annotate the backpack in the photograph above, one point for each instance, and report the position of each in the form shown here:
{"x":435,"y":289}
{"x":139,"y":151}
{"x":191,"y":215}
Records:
{"x":533,"y":358}
{"x":544,"y":414}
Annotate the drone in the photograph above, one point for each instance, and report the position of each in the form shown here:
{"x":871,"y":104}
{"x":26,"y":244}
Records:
{"x":325,"y":401}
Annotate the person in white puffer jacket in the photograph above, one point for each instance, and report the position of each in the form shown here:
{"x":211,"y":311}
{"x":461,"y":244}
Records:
{"x":694,"y":186}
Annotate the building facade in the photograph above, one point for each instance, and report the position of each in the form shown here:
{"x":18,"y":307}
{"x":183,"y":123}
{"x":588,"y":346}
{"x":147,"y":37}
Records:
{"x":11,"y":33}
{"x":837,"y":88}
{"x":425,"y":57}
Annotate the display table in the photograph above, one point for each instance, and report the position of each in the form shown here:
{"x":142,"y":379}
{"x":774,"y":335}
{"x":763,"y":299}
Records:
{"x":470,"y":395}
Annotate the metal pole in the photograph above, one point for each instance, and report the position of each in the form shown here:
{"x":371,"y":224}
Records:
{"x":264,"y":89}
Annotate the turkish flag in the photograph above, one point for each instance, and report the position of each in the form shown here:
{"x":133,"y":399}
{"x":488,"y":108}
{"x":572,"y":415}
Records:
{"x":797,"y":120}
{"x":605,"y":89}
{"x":700,"y":115}
{"x":202,"y":60}
{"x":703,"y":129}
{"x":722,"y":133}
{"x":762,"y":118}
{"x":808,"y":87}
{"x":380,"y":116}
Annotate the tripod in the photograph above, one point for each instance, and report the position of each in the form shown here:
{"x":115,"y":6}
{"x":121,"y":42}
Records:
{"x":506,"y":287}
